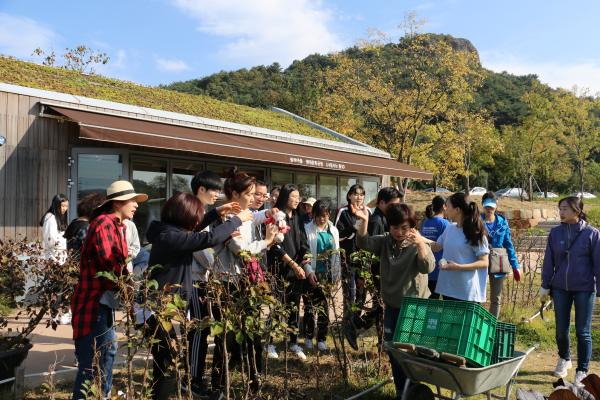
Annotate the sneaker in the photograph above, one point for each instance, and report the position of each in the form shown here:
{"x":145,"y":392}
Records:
{"x":579,"y":376}
{"x":297,"y":350}
{"x":562,"y":368}
{"x":351,"y":338}
{"x":271,"y":351}
{"x":76,"y":363}
{"x":309,"y":344}
{"x":198,"y":389}
{"x":322,"y":346}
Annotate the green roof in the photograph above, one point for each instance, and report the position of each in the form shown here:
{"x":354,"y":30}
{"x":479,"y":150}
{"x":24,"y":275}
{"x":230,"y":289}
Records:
{"x":29,"y":74}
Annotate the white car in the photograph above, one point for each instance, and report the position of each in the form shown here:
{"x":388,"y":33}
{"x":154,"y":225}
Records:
{"x":476,"y":191}
{"x":514,"y":193}
{"x":586,"y":195}
{"x":550,"y":195}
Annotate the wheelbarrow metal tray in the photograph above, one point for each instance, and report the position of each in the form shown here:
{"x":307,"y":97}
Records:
{"x":465,"y":381}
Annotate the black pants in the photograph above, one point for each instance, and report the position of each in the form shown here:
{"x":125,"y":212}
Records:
{"x":434,"y":295}
{"x":315,"y":302}
{"x":198,"y":338}
{"x":293,"y":294}
{"x":249,"y":347}
{"x":163,"y":354}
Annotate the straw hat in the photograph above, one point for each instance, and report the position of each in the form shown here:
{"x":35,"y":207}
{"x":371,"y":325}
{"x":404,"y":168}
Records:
{"x":123,"y":190}
{"x":372,"y":203}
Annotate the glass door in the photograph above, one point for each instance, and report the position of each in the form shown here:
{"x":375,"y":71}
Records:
{"x":149,"y":176}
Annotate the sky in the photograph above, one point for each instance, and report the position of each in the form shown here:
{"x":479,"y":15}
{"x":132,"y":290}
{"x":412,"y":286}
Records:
{"x":162,"y":41}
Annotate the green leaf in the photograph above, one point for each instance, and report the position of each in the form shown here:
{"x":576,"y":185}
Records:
{"x":239,"y":336}
{"x":216,"y":329}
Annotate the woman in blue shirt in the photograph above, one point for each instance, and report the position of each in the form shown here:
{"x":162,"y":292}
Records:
{"x":499,"y":236}
{"x":465,"y":245}
{"x":432,"y":228}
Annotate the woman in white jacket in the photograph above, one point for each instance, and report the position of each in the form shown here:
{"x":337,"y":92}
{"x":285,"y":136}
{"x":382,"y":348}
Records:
{"x":230,"y":270}
{"x":54,"y":223}
{"x":322,"y":268}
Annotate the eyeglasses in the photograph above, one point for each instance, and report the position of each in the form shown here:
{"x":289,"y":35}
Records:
{"x":261,"y":196}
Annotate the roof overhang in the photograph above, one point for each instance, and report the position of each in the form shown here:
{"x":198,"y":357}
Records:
{"x":137,"y":132}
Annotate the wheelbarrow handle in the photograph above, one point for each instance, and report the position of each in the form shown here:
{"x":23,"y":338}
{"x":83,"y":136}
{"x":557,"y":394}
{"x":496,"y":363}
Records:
{"x":534,"y":347}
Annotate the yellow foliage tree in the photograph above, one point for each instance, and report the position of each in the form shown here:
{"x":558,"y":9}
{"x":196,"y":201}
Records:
{"x":579,"y":126}
{"x":394,"y":102}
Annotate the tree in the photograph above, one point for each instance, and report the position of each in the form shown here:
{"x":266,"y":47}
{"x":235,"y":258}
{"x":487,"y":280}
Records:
{"x":538,"y":126}
{"x":390,"y":95}
{"x":77,"y":59}
{"x":579,"y":125}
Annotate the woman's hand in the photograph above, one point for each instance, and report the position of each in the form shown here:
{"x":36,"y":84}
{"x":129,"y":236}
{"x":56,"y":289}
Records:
{"x":450,"y":266}
{"x":299,"y":272}
{"x":415,"y":237}
{"x":229,"y":208}
{"x":245,"y":215}
{"x":362,"y":213}
{"x":517,"y":275}
{"x":271,"y":232}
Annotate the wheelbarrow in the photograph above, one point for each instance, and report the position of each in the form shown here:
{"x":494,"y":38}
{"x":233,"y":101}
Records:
{"x":461,"y":381}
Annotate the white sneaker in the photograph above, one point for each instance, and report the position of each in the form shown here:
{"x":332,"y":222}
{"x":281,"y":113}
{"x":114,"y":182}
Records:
{"x":297,"y":350}
{"x":562,"y":368}
{"x":322,"y":346}
{"x":579,"y":376}
{"x":309,"y":344}
{"x":271,"y":351}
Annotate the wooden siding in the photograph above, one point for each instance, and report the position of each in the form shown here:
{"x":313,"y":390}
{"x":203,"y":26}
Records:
{"x":33,"y":165}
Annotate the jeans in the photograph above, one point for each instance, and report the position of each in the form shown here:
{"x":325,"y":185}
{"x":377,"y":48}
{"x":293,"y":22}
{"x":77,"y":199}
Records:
{"x":102,"y":339}
{"x":390,"y":318}
{"x":496,"y":286}
{"x":584,"y":306}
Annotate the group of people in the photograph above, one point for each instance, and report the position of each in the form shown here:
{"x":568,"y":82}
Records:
{"x":235,"y":243}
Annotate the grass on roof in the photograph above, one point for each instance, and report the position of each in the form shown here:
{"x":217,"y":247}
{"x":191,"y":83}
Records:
{"x":29,"y":74}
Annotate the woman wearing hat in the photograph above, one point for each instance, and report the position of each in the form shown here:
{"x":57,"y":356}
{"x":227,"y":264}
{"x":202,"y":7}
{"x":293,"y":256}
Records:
{"x":95,"y":299}
{"x":499,"y":235}
{"x":308,"y":206}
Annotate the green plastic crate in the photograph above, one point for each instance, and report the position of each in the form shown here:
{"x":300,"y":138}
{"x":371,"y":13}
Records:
{"x":455,"y":327}
{"x":504,"y":343}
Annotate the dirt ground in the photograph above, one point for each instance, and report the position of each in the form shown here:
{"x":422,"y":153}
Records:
{"x":420,"y":200}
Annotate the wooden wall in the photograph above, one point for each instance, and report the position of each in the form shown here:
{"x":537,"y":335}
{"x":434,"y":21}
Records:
{"x":33,"y":165}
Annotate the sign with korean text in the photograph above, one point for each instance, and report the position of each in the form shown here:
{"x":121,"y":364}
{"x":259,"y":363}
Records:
{"x":317,"y":163}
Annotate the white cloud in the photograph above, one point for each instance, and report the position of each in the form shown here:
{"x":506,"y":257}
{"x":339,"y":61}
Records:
{"x":171,"y":65}
{"x":20,"y":36}
{"x":265,"y":31}
{"x":585,"y":74}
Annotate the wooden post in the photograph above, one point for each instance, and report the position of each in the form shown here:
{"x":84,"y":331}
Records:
{"x":19,"y":383}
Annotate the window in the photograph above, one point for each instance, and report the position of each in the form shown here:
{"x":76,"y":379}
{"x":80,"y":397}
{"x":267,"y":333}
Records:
{"x":149,"y":176}
{"x":183,"y":172}
{"x":307,"y":185}
{"x":371,"y":190}
{"x":221,"y":170}
{"x":345,"y":185}
{"x":95,"y":172}
{"x":280,"y":178}
{"x":328,"y":190}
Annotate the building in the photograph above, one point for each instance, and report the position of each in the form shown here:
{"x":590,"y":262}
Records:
{"x":65,"y":143}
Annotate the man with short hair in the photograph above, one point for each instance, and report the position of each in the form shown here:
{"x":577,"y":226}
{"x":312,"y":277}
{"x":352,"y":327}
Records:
{"x":377,"y":226}
{"x":260,"y":195}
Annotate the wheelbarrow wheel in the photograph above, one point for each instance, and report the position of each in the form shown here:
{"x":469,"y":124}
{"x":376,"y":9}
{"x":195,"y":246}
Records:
{"x":419,"y":392}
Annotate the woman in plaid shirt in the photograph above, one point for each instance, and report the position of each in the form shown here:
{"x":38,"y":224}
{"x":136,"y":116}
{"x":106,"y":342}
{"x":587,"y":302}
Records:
{"x":95,"y":299}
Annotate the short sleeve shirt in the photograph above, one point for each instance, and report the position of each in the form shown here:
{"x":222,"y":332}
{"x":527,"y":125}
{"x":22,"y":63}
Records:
{"x":432,"y":229}
{"x":464,"y":285}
